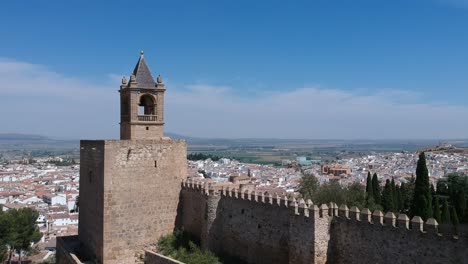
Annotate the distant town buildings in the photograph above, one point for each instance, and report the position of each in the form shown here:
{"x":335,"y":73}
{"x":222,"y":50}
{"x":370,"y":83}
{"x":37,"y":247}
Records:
{"x":51,"y":190}
{"x":336,"y":170}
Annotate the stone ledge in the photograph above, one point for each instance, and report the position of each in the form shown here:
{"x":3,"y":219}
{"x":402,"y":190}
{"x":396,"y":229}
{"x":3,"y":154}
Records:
{"x":155,"y":258}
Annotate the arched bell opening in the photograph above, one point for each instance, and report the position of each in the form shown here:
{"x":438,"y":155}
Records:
{"x":147,"y":108}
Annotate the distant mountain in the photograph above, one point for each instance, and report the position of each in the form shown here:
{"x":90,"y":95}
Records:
{"x":16,"y":136}
{"x":176,"y":136}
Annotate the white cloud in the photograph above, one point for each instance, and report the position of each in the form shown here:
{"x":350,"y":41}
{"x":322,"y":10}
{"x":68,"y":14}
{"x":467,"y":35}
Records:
{"x":38,"y":100}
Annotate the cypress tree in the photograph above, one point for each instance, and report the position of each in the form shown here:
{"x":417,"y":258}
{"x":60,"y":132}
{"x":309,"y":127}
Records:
{"x":399,"y":199}
{"x":387,"y":197}
{"x":403,"y":197}
{"x":422,"y":199}
{"x":436,"y":210}
{"x":369,"y":189}
{"x":460,"y":203}
{"x":376,"y":188}
{"x":394,"y":195}
{"x":455,"y":221}
{"x":463,"y":219}
{"x":445,"y":213}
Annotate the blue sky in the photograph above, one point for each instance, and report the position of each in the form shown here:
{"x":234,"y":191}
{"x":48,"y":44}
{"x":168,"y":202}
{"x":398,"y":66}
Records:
{"x":287,"y":69}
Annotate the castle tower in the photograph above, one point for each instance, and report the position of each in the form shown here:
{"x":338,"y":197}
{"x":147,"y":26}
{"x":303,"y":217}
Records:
{"x":129,"y":188}
{"x":141,"y":104}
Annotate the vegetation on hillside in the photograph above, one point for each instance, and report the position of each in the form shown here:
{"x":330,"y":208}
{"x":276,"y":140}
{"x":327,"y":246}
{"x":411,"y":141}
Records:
{"x":201,"y":156}
{"x":352,"y":195}
{"x":180,"y":246}
{"x":183,"y":247}
{"x":18,"y":230}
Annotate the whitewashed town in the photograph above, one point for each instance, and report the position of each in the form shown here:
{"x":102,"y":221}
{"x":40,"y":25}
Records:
{"x":52,"y":190}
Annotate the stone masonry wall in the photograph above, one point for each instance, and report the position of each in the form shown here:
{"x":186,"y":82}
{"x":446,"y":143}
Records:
{"x":260,"y":228}
{"x":129,"y":196}
{"x":254,"y":227}
{"x":148,"y":131}
{"x":364,"y":238}
{"x":141,"y":194}
{"x":91,"y":199}
{"x":67,"y":247}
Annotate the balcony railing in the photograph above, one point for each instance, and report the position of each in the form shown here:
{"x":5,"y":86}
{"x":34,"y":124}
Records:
{"x":147,"y":117}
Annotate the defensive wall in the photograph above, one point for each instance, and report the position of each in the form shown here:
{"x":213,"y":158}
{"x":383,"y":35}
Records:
{"x":265,"y":228}
{"x":255,"y":227}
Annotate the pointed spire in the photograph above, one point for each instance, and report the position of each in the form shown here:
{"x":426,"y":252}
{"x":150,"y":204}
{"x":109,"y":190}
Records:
{"x":143,"y":73}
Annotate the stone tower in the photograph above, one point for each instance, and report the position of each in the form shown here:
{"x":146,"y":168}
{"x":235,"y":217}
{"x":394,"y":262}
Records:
{"x":141,"y":104}
{"x":129,"y":188}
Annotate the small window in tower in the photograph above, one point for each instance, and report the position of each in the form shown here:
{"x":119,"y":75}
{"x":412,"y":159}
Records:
{"x":147,"y":128}
{"x":155,"y":163}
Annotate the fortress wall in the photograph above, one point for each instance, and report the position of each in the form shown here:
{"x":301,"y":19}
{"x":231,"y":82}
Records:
{"x":260,"y":228}
{"x":365,"y":238}
{"x":67,"y":247}
{"x":255,"y":230}
{"x":255,"y":227}
{"x":141,"y":190}
{"x":91,"y":199}
{"x":191,"y":214}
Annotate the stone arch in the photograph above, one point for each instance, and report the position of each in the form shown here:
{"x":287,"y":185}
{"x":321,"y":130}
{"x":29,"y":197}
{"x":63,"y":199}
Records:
{"x":147,"y":105}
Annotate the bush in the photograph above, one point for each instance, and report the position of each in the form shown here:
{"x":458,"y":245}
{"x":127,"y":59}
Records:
{"x":181,"y":246}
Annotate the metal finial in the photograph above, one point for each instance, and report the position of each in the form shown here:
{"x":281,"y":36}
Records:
{"x":141,"y":52}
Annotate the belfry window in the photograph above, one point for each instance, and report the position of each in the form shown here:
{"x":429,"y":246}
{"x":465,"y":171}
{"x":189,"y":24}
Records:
{"x":147,"y":105}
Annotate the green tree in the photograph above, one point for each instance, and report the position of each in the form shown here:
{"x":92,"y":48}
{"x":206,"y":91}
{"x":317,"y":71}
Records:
{"x":330,"y":192}
{"x":394,"y":195}
{"x":26,"y":230}
{"x":399,"y":199}
{"x":376,"y":188}
{"x":442,"y":188}
{"x":5,"y":235}
{"x":445,"y":213}
{"x":437,"y":215}
{"x":460,"y":203}
{"x":422,"y":200}
{"x":369,"y":189}
{"x":18,"y":230}
{"x":181,"y":246}
{"x":308,"y":187}
{"x":455,"y":221}
{"x":408,"y":194}
{"x":387,"y":197}
{"x":355,"y":195}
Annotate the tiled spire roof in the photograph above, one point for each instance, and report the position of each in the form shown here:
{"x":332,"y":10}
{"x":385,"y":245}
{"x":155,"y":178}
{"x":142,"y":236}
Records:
{"x":143,"y":74}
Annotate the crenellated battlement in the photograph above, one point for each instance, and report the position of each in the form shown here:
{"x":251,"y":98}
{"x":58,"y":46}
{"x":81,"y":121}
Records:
{"x":307,"y":208}
{"x":299,"y":207}
{"x":393,"y":222}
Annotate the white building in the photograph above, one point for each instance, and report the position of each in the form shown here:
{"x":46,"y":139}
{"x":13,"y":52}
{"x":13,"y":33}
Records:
{"x":60,"y":199}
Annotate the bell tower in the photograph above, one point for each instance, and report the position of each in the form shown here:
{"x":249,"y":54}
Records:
{"x":142,"y":104}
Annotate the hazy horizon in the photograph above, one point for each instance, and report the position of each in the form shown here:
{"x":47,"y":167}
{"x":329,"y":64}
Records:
{"x":180,"y":135}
